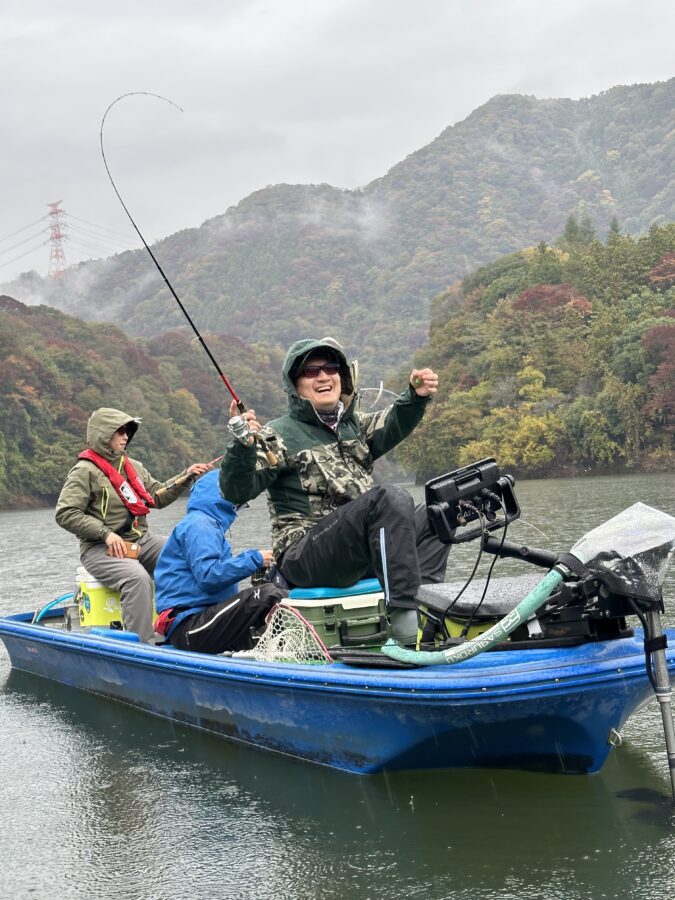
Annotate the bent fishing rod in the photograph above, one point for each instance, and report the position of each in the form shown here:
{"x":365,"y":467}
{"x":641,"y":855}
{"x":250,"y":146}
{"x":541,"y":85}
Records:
{"x":271,"y":458}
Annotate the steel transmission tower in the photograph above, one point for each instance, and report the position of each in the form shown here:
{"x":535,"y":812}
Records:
{"x":57,"y":258}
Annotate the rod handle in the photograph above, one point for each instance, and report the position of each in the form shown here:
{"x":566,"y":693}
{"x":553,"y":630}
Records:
{"x":269,"y":454}
{"x":175,"y":483}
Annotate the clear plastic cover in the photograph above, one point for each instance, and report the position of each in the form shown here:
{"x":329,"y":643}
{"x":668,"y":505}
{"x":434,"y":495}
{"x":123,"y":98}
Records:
{"x":636,"y":546}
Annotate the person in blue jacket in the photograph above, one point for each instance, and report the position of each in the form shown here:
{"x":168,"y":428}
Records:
{"x":197,"y":596}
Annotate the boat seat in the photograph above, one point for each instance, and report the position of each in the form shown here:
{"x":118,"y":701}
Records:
{"x":365,"y":586}
{"x":354,"y":616}
{"x":503,"y":595}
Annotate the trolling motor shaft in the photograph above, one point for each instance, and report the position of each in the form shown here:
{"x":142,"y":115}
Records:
{"x":661,"y":685}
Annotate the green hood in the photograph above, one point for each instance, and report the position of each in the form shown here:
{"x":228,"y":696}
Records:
{"x":298,"y":353}
{"x":102,"y":424}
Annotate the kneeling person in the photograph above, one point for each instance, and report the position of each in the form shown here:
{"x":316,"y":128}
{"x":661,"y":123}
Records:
{"x":196,"y":579}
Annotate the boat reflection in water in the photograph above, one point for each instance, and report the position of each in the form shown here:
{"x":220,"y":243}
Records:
{"x":128,"y":789}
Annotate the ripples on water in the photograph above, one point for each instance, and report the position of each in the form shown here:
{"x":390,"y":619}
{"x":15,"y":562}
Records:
{"x":100,"y":800}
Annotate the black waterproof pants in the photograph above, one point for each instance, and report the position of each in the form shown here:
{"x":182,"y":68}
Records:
{"x":345,"y":547}
{"x":227,"y":625}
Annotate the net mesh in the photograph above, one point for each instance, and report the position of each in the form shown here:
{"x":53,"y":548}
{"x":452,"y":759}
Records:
{"x":289,"y":637}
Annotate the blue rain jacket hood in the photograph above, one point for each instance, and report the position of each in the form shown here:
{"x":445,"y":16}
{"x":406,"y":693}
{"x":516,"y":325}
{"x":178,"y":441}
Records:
{"x":205,"y":496}
{"x":196,"y":568}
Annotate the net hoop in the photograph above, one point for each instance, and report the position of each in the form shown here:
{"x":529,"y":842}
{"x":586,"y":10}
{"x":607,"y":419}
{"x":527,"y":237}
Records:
{"x":289,"y":637}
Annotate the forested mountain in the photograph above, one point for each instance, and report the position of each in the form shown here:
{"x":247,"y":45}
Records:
{"x":556,"y":360}
{"x":294,"y":260}
{"x":55,"y":370}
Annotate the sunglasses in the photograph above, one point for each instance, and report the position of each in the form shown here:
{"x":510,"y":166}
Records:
{"x":123,"y":429}
{"x":312,"y":371}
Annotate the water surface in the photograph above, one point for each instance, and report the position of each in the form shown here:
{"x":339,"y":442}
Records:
{"x":100,"y":800}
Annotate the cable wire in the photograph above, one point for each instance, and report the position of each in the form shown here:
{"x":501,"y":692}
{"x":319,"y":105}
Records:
{"x":24,"y":241}
{"x":100,"y":227}
{"x":21,"y":255}
{"x":478,"y":558}
{"x":98,"y":235}
{"x":649,"y":663}
{"x":25,"y":227}
{"x":474,"y":612}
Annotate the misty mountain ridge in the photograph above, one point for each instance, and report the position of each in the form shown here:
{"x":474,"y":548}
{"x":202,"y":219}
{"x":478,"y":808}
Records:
{"x":363,"y":265}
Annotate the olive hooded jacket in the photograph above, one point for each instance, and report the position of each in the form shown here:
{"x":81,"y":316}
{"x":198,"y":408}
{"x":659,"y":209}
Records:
{"x":88,"y":505}
{"x":318,"y":468}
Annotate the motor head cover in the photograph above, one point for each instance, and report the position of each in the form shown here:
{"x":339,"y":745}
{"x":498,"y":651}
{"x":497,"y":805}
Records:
{"x":634,"y":547}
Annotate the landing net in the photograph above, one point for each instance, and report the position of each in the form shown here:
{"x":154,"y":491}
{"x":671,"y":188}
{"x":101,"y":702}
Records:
{"x":289,"y":637}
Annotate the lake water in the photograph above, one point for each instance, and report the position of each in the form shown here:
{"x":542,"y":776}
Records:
{"x":99,"y":800}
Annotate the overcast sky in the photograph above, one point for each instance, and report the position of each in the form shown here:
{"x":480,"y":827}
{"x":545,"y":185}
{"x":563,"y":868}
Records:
{"x":296,"y":91}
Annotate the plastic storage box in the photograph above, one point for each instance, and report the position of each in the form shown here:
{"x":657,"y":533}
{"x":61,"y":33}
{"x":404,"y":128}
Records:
{"x":344,"y":617}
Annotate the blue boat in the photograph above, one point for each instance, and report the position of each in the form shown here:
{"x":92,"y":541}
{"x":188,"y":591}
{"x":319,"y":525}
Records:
{"x":558,"y":709}
{"x":550,"y":698}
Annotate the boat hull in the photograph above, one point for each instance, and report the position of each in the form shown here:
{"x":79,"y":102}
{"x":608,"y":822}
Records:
{"x":540,"y":709}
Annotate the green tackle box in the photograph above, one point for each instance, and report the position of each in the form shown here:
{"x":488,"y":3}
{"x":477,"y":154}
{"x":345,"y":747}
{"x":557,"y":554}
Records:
{"x":344,"y":617}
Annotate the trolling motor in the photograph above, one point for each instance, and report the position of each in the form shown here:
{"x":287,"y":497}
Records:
{"x":591,"y":603}
{"x":613,"y":571}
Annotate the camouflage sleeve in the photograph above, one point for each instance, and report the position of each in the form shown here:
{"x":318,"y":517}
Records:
{"x":384,"y":430}
{"x":245,"y":471}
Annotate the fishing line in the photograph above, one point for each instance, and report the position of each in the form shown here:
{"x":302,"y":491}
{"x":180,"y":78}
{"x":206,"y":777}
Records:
{"x":240,"y":405}
{"x":271,"y":458}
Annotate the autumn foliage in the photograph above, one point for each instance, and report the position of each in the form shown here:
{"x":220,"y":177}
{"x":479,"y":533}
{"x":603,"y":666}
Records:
{"x":571,"y":373}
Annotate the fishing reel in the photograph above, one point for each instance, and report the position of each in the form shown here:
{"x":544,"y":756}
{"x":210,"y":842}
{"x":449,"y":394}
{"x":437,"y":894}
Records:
{"x":238,"y":428}
{"x":475,"y":493}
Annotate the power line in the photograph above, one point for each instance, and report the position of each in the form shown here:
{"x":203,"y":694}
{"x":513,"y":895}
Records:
{"x":94,"y":240}
{"x":93,"y":234}
{"x":24,"y":241}
{"x":21,"y":255}
{"x":99,"y":227}
{"x":19,"y":230}
{"x":88,"y":246}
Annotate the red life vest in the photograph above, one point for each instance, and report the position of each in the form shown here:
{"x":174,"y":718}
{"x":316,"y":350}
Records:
{"x":131,"y":490}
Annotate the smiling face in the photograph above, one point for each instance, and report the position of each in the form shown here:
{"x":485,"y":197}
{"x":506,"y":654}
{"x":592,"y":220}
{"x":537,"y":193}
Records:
{"x":322,"y":390}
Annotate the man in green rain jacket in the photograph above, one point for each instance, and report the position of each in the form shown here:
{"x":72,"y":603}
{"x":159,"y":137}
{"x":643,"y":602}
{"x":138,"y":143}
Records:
{"x":328,"y":516}
{"x":104,"y":502}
